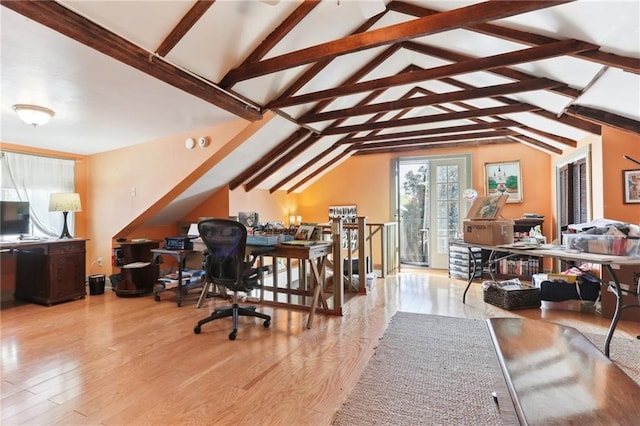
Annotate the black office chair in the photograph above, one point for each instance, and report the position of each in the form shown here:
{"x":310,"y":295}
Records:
{"x":228,"y":265}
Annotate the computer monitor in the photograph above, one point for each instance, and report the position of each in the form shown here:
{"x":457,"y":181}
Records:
{"x":14,"y":217}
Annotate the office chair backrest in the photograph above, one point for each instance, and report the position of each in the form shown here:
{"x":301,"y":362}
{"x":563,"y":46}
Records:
{"x":226,"y":242}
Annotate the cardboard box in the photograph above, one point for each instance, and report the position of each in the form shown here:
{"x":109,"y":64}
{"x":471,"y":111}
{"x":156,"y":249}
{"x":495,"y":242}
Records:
{"x":482,"y":224}
{"x":488,"y":232}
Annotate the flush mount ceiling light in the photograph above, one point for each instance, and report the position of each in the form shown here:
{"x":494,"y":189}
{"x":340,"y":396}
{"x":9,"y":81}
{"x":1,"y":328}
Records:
{"x":33,"y":114}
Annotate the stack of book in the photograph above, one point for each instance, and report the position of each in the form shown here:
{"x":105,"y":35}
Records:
{"x":189,"y":278}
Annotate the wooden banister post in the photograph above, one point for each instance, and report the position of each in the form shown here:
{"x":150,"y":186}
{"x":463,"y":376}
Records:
{"x":337,"y":234}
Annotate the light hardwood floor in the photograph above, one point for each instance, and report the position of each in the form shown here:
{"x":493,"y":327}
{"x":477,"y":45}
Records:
{"x":133,"y":361}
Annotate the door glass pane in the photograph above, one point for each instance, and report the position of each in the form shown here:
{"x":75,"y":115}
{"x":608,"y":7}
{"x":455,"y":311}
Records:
{"x":414,"y":212}
{"x":448,"y":213}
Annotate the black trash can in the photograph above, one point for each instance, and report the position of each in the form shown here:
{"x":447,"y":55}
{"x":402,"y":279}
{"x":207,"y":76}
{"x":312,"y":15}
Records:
{"x":96,"y":284}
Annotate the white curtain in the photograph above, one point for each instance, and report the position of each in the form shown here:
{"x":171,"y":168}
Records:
{"x":34,"y":178}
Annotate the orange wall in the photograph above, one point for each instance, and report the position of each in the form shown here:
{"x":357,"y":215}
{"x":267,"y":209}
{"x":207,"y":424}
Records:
{"x":274,"y":207}
{"x":215,"y":206}
{"x":617,"y":143}
{"x":366,"y":182}
{"x":157,"y":171}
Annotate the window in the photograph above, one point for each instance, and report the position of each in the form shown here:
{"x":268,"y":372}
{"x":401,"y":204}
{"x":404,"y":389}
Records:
{"x":34,"y":178}
{"x":573,"y":190}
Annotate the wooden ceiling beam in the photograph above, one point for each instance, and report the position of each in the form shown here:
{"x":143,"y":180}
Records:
{"x":509,"y":109}
{"x":437,"y":131}
{"x":516,"y":128}
{"x":278,"y":164}
{"x":466,"y":86}
{"x":490,"y":134}
{"x":271,"y":156}
{"x":559,"y":139}
{"x":57,"y":17}
{"x":272,"y":39}
{"x":317,"y":172}
{"x":386,"y":54}
{"x":440,"y":98}
{"x":622,"y":62}
{"x":604,"y":118}
{"x":536,"y":143}
{"x":426,"y":147}
{"x":312,"y":72}
{"x":578,"y":123}
{"x":186,"y":23}
{"x":306,"y":167}
{"x":315,"y":69}
{"x":509,"y":73}
{"x":472,"y":65}
{"x":325,"y":153}
{"x":443,"y":21}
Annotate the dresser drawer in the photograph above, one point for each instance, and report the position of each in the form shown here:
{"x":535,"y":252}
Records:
{"x":67,"y":247}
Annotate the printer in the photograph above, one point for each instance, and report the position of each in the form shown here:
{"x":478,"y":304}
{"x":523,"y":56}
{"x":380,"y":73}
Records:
{"x":178,"y":243}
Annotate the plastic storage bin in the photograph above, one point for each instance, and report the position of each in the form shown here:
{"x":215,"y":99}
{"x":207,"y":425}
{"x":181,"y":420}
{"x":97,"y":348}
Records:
{"x":602,"y":244}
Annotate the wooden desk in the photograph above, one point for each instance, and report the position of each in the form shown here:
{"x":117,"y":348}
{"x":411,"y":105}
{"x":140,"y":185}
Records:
{"x":46,"y":271}
{"x":317,"y":257}
{"x":609,"y":262}
{"x":556,"y":376}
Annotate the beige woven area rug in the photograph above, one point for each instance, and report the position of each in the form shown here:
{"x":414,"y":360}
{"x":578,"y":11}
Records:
{"x":435,"y":370}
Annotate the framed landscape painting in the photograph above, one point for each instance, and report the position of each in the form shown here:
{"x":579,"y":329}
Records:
{"x":503,"y":179}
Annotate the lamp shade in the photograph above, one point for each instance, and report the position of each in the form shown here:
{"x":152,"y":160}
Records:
{"x":193,"y":230}
{"x":65,"y":202}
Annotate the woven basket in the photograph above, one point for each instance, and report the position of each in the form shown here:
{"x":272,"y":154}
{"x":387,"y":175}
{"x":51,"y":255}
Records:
{"x":527,"y":298}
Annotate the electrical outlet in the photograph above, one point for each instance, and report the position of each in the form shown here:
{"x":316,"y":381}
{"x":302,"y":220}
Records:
{"x":99,"y":260}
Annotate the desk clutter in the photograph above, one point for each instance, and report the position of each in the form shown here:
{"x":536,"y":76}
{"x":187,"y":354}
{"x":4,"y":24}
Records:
{"x":604,"y":237}
{"x":190,"y":277}
{"x":571,"y":290}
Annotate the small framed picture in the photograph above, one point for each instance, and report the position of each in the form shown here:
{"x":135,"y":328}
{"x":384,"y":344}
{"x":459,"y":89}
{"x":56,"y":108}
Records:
{"x":503,"y":179}
{"x":631,"y":186}
{"x":248,"y":219}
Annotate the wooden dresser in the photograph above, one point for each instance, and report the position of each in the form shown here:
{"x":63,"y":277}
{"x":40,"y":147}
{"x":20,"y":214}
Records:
{"x":49,"y":271}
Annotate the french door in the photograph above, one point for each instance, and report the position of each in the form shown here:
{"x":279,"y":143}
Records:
{"x":428,"y":206}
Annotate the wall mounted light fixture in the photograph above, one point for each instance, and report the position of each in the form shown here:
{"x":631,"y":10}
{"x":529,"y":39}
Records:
{"x":33,"y":114}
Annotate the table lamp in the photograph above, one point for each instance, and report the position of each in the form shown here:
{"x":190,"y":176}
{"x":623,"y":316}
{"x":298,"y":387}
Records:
{"x":65,"y":202}
{"x":193,"y":231}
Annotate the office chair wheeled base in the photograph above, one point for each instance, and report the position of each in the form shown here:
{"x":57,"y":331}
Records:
{"x":234,"y":311}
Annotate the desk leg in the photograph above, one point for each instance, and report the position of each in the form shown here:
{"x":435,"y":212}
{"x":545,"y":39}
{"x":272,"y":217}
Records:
{"x":619,"y":308}
{"x":321,"y":278}
{"x":204,"y":293}
{"x":318,"y":289}
{"x":179,"y":288}
{"x":471,"y":277}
